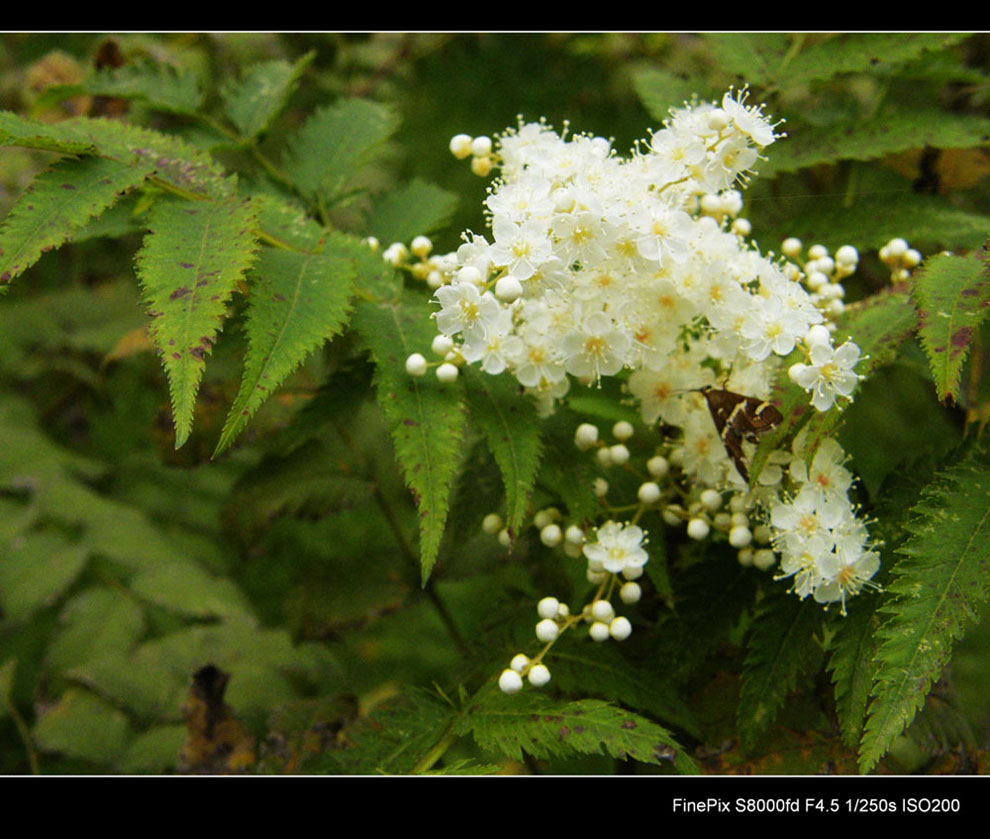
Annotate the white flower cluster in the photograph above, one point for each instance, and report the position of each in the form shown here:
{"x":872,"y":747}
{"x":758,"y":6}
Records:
{"x":617,"y":551}
{"x":823,"y":545}
{"x":598,"y":263}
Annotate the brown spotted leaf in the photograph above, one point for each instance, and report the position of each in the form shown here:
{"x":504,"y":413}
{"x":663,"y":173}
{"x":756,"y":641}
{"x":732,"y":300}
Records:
{"x":60,"y":201}
{"x":952,"y":294}
{"x":193,"y":257}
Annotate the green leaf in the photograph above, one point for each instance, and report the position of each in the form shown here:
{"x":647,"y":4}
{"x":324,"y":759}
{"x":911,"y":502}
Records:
{"x":266,"y":669}
{"x":161,"y":86}
{"x":425,"y":419}
{"x":414,"y":209}
{"x":869,"y":222}
{"x":36,"y":570}
{"x":852,"y":652}
{"x":174,"y":161}
{"x":513,"y":432}
{"x":544,"y":727}
{"x":888,"y":132}
{"x":600,"y":672}
{"x":154,"y":751}
{"x":83,"y":726}
{"x":660,"y":90}
{"x":96,"y":621}
{"x":297,"y":302}
{"x":18,"y":131}
{"x":259,"y":95}
{"x":336,"y":141}
{"x":938,"y":585}
{"x":184,"y":587}
{"x":192,"y":259}
{"x":858,"y":52}
{"x":58,"y":202}
{"x":753,"y":57}
{"x":953,"y":295}
{"x":782,"y":647}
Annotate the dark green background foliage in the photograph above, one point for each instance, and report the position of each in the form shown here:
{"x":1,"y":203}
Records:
{"x":210,"y":451}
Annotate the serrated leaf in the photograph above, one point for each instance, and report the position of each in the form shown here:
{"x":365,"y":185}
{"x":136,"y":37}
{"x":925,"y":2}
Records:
{"x":851,"y":662}
{"x":870,"y":222}
{"x":253,"y":101}
{"x":191,"y":261}
{"x":953,"y":295}
{"x":857,"y":52}
{"x":940,"y":580}
{"x":334,"y":142}
{"x":600,"y":672}
{"x":16,"y":130}
{"x":161,"y":86}
{"x":753,"y":56}
{"x":60,"y":201}
{"x":543,"y":727}
{"x":513,"y":432}
{"x":781,"y":648}
{"x":414,"y":209}
{"x":425,"y":419}
{"x":886,"y":133}
{"x":174,"y":161}
{"x":661,"y":90}
{"x":297,"y":302}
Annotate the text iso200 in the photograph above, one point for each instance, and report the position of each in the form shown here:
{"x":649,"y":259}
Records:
{"x":931,"y":805}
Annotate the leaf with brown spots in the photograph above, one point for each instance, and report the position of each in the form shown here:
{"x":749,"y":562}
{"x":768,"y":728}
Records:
{"x":192,"y":260}
{"x":59,"y":202}
{"x":952,"y":294}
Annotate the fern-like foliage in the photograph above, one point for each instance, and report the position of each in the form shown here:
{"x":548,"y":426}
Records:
{"x":254,"y":100}
{"x":192,"y":259}
{"x":60,"y":201}
{"x":853,"y":650}
{"x":298,"y":301}
{"x":514,"y":436}
{"x":425,"y":419}
{"x":157,"y":85}
{"x":952,"y":294}
{"x":773,"y":58}
{"x":889,"y":132}
{"x":335,"y":141}
{"x":783,"y":646}
{"x":938,"y":585}
{"x":544,"y":727}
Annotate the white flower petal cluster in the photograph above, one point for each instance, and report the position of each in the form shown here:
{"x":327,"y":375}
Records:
{"x":595,"y":264}
{"x":824,"y":547}
{"x":618,"y":548}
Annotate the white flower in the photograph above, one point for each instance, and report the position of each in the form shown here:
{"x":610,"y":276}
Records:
{"x":618,"y":546}
{"x":831,"y":370}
